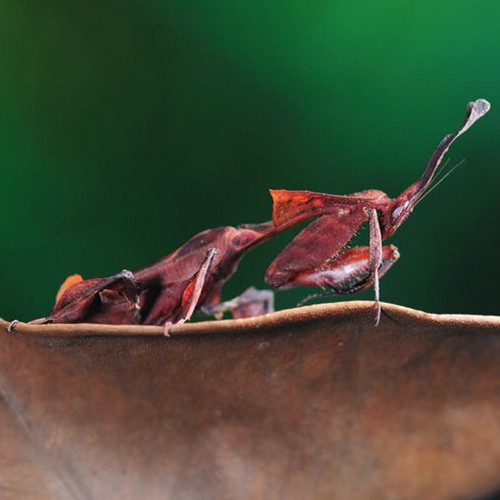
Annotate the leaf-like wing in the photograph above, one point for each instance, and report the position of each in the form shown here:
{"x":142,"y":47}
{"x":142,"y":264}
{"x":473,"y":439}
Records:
{"x":316,"y":244}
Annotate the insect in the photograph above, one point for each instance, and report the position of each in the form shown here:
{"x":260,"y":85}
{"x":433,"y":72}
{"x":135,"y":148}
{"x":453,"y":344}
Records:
{"x":316,"y":256}
{"x":169,"y":290}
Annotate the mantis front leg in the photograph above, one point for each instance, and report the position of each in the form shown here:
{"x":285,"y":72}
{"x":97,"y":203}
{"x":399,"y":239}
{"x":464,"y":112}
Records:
{"x":316,"y":256}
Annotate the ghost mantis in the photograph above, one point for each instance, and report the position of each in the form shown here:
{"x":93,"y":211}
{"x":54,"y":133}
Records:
{"x":168,"y":291}
{"x":316,"y":256}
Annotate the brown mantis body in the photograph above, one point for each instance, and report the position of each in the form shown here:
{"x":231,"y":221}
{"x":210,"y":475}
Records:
{"x":167,"y":291}
{"x":170,"y":290}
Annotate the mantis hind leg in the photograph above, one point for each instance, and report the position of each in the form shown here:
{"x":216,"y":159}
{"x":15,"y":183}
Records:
{"x":252,"y":302}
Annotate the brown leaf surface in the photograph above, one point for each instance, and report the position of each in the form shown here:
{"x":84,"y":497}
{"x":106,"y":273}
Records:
{"x":309,"y":403}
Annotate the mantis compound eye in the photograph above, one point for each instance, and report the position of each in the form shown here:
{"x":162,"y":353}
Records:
{"x":399,"y":210}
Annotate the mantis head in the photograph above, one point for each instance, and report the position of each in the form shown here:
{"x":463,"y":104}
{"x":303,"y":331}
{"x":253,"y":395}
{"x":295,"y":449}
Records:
{"x":400,"y":208}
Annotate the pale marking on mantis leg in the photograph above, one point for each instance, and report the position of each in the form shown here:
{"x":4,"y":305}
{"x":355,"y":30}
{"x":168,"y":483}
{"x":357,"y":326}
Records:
{"x":375,"y":257}
{"x":198,"y":288}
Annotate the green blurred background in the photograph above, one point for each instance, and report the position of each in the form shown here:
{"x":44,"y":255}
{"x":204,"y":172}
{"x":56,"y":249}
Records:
{"x":127,"y":127}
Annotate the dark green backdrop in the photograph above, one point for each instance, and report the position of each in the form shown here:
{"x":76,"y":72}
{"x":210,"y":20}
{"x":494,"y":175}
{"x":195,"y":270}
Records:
{"x":126,"y":127}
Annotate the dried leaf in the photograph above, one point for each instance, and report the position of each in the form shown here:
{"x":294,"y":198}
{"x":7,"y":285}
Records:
{"x":310,"y":403}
